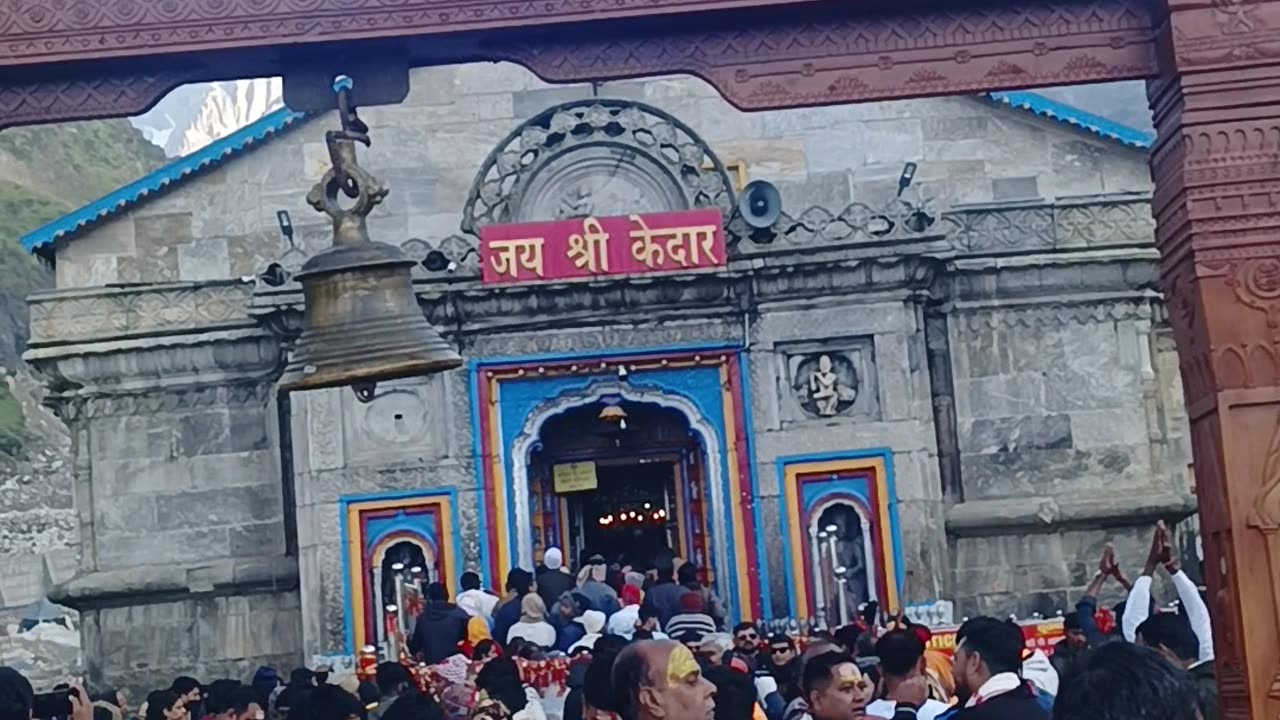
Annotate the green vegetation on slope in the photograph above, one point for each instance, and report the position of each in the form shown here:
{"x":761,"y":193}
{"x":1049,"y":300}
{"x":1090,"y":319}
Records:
{"x":82,"y":161}
{"x":45,"y":172}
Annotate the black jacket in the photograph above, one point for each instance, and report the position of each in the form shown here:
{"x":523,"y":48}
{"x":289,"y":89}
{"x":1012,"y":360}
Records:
{"x":441,"y":626}
{"x":551,"y":585}
{"x":1020,"y":704}
{"x":1206,"y":684}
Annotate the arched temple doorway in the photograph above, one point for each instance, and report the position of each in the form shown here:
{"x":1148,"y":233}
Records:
{"x":639,"y":488}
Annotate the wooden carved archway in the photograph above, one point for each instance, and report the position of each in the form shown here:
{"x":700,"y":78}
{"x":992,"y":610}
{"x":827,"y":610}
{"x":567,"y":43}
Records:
{"x":1213,"y":68}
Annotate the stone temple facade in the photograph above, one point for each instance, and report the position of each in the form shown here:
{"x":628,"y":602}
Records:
{"x":979,"y":401}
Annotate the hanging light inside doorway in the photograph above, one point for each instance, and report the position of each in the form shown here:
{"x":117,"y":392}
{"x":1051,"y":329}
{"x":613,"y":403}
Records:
{"x":612,"y":412}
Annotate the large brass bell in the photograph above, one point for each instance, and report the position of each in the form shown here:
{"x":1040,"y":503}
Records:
{"x":362,"y":323}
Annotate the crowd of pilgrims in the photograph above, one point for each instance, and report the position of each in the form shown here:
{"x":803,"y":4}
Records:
{"x":650,"y":646}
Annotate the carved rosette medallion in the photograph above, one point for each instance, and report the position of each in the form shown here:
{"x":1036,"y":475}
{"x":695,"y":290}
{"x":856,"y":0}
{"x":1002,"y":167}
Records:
{"x":596,"y":157}
{"x":1257,"y":284}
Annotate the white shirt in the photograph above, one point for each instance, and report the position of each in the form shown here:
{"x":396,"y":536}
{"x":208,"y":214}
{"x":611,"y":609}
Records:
{"x":997,"y":684}
{"x":1137,"y":607}
{"x":478,"y":599}
{"x":539,"y":633}
{"x":928,"y":711}
{"x":624,"y":621}
{"x":533,"y":709}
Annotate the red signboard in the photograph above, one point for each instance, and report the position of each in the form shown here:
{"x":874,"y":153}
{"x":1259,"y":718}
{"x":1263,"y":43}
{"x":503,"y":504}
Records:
{"x":599,"y":247}
{"x":1040,"y":635}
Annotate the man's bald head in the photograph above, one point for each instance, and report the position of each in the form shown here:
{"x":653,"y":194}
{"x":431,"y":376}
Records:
{"x":661,"y":680}
{"x":631,"y":671}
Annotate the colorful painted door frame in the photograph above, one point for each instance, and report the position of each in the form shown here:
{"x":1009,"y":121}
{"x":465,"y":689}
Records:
{"x":809,"y":484}
{"x":512,"y":397}
{"x":371,"y":524}
{"x":1214,"y":84}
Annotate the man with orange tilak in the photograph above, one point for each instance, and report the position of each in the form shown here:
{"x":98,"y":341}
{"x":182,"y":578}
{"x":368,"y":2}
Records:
{"x":661,"y":680}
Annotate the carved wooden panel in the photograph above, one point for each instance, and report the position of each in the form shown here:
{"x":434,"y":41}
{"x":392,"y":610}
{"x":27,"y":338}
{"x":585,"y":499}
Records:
{"x":758,"y":60}
{"x":43,"y":31}
{"x":1217,"y":169}
{"x":790,"y":63}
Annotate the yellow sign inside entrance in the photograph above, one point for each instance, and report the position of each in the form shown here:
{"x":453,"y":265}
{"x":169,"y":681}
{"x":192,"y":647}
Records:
{"x":575,"y":477}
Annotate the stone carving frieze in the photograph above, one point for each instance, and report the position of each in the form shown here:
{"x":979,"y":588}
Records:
{"x":1056,"y":314}
{"x":115,"y":313}
{"x":1091,"y":223}
{"x":596,"y":157}
{"x":858,"y":223}
{"x":71,"y":408}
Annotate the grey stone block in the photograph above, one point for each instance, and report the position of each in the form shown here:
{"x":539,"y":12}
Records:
{"x":124,"y":513}
{"x":1048,"y":472}
{"x":229,"y":470}
{"x":202,"y":433}
{"x":1001,"y":396}
{"x":161,"y":548}
{"x":257,"y":539}
{"x":1101,"y":428}
{"x":228,"y":506}
{"x":1012,"y":434}
{"x":139,"y":475}
{"x":527,"y":103}
{"x":1016,"y":188}
{"x":956,"y":128}
{"x":832,"y":190}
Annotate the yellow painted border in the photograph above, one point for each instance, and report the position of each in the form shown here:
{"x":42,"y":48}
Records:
{"x":792,"y":491}
{"x":355,"y":550}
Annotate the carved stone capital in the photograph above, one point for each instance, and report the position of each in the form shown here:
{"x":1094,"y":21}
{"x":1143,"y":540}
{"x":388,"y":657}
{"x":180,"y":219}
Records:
{"x":155,"y":374}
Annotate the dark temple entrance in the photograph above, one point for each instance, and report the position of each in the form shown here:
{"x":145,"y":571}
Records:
{"x":645,"y":494}
{"x":631,"y":517}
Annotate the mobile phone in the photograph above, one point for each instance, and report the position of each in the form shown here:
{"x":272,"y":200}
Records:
{"x":52,"y":704}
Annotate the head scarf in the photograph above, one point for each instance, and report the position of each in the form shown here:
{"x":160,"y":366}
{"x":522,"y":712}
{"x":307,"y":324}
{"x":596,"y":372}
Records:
{"x":553,"y":559}
{"x":592,"y":621}
{"x":634,"y":578}
{"x":532,"y":609}
{"x":598,"y":573}
{"x":630,"y":595}
{"x":478,"y":629}
{"x":691,"y":602}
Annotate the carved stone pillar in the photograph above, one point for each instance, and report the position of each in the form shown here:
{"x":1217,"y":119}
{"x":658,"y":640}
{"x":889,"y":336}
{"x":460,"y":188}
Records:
{"x":1217,"y":205}
{"x":169,"y":392}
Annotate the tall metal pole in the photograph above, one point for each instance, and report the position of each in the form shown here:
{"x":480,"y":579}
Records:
{"x":815,"y":567}
{"x":831,"y":531}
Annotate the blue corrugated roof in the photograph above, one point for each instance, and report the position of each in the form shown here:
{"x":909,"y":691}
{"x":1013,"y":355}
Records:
{"x":1096,"y":124}
{"x":210,"y":156}
{"x":258,"y":132}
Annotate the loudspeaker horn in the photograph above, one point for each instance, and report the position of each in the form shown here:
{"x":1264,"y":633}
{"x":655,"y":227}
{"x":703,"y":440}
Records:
{"x":760,"y":204}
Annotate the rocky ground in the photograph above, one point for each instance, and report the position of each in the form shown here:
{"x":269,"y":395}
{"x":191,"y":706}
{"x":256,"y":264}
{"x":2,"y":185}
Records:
{"x":47,"y":654}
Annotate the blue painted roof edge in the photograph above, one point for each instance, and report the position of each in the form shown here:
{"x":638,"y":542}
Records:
{"x":210,"y":156}
{"x":1096,"y":124}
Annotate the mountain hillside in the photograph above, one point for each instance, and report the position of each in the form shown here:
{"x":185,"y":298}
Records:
{"x":45,"y":172}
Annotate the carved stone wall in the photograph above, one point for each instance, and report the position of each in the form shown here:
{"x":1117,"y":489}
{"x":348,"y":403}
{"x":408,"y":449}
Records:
{"x":178,"y":484}
{"x":430,"y":148}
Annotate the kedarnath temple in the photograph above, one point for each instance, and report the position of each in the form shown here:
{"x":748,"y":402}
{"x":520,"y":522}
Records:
{"x":942,"y":368}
